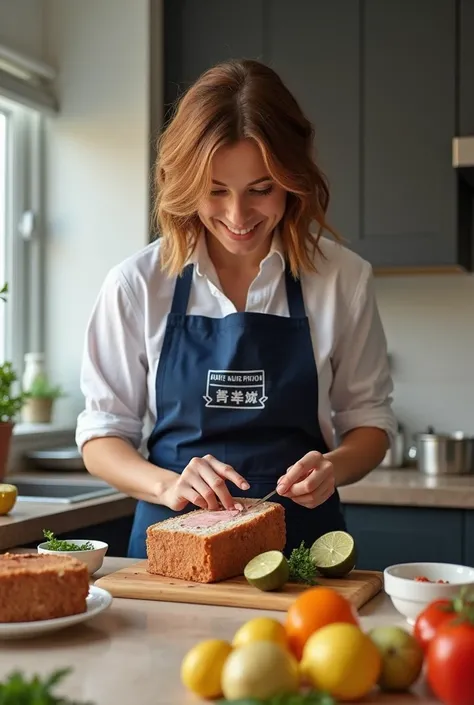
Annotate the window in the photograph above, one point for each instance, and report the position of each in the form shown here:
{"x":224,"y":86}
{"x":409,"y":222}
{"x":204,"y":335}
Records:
{"x":20,"y":231}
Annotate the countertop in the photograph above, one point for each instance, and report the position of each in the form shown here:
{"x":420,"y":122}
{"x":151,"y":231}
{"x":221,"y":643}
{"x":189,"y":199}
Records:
{"x":409,"y":487}
{"x":133,"y":651}
{"x":391,"y":487}
{"x":26,"y":521}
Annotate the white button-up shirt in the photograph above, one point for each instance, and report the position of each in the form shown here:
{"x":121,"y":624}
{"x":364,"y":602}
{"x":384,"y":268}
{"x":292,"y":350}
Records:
{"x":126,"y":329}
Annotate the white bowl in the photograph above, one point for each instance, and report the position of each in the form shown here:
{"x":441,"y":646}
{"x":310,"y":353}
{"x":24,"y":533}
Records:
{"x":410,"y":597}
{"x":93,"y":558}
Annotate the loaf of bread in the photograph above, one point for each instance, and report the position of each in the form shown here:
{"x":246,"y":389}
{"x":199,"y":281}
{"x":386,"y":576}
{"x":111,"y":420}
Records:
{"x":36,"y":586}
{"x":209,"y":546}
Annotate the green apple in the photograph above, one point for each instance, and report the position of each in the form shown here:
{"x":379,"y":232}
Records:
{"x":402,"y":657}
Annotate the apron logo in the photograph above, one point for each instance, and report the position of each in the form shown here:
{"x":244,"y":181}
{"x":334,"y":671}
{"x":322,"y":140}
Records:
{"x":229,"y":389}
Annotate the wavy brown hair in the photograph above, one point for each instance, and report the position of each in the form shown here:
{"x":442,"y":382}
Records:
{"x":238,"y":99}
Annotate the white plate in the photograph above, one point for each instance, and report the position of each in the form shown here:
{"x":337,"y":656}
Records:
{"x":97,"y":601}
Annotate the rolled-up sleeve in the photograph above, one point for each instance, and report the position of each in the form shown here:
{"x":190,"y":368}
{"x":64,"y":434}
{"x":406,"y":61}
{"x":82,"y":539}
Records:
{"x":361,"y":393}
{"x":114,"y":366}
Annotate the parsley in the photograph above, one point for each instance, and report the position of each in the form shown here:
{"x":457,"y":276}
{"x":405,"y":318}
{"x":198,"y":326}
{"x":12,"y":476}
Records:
{"x":18,"y":690}
{"x":55,"y":544}
{"x":302,"y":568}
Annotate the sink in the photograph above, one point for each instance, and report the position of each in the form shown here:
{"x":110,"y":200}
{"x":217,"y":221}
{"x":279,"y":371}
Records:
{"x":60,"y":491}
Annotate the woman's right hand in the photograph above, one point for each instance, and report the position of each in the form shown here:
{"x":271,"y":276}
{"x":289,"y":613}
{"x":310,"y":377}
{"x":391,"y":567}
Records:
{"x":203,"y":483}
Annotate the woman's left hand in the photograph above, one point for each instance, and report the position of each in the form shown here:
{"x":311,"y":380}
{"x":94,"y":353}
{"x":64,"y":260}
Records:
{"x":309,"y":482}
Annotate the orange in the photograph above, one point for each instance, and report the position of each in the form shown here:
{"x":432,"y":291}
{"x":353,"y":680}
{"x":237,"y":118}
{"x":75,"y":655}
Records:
{"x":313,"y":609}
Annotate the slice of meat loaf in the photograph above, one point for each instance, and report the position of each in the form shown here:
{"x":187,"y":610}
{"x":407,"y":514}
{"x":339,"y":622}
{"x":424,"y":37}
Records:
{"x":208,"y":546}
{"x":36,"y":586}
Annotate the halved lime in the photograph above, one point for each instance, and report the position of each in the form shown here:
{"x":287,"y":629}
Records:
{"x":267,"y":571}
{"x":334,"y":554}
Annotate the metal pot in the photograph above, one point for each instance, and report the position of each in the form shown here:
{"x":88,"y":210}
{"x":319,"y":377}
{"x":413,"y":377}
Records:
{"x":395,"y":455}
{"x":443,"y":453}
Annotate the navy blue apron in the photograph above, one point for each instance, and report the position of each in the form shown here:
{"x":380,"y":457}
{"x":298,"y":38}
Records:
{"x":243,"y":388}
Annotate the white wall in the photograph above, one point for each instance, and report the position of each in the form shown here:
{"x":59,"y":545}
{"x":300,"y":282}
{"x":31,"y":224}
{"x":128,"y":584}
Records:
{"x":429,"y":322}
{"x":97,"y":162}
{"x":22,"y":26}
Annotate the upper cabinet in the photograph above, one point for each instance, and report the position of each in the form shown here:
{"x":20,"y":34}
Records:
{"x":386,"y":84}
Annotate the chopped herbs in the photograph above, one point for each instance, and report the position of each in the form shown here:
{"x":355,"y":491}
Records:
{"x":311,"y":698}
{"x":302,"y":567}
{"x":55,"y":544}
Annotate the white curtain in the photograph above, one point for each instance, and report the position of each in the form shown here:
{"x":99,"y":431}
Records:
{"x":27,"y":81}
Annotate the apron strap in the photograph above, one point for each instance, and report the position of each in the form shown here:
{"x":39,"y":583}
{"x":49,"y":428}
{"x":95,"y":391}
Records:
{"x":181,"y":291}
{"x":294,"y":295}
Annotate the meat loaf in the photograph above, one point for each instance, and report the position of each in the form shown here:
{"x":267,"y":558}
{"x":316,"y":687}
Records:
{"x":209,"y":546}
{"x":36,"y":586}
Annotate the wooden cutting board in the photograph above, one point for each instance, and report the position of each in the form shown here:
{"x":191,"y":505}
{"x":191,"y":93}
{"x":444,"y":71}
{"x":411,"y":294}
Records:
{"x":134,"y":582}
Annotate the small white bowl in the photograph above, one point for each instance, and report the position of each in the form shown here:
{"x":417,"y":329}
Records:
{"x":410,"y":597}
{"x":93,"y":558}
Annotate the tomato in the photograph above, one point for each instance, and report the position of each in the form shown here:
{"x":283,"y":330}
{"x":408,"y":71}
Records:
{"x":450,"y":662}
{"x":433,"y":616}
{"x":312,"y":610}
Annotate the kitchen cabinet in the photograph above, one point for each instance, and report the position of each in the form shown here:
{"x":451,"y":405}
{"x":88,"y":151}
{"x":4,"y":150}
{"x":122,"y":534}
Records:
{"x":387,"y":84}
{"x":386,"y":535}
{"x":408,"y":95}
{"x":469,"y":538}
{"x":466,"y":69}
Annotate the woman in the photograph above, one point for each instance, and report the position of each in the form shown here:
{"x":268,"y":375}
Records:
{"x":254,"y":346}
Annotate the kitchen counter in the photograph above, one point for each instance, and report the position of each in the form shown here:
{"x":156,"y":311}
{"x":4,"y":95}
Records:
{"x":405,"y":487}
{"x":25,"y":523}
{"x":134,"y":649}
{"x":408,"y":487}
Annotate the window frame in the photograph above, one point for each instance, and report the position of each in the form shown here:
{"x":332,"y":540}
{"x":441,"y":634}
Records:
{"x":24,"y":233}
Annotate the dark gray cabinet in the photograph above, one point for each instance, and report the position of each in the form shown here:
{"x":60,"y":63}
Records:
{"x":386,"y":535}
{"x":469,"y":538}
{"x":466,"y":69}
{"x":387,"y":86}
{"x":408,"y":94}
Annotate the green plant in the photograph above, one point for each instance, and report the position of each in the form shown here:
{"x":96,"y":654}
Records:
{"x":40,"y":388}
{"x":9,"y":405}
{"x":19,"y":690}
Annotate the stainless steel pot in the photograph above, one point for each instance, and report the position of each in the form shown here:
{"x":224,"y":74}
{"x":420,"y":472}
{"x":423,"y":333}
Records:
{"x":395,"y":455}
{"x":443,"y":453}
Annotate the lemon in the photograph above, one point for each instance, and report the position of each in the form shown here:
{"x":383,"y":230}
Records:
{"x":261,"y":629}
{"x":268,"y":571}
{"x":8,"y":495}
{"x":260,"y":669}
{"x":342,"y":660}
{"x":202,"y":666}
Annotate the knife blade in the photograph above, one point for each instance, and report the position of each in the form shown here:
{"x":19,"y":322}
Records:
{"x":264,"y":499}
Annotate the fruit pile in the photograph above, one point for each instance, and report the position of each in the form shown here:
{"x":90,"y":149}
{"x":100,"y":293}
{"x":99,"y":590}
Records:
{"x":320,"y":655}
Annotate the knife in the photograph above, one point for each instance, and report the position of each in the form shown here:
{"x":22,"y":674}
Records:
{"x":264,"y":499}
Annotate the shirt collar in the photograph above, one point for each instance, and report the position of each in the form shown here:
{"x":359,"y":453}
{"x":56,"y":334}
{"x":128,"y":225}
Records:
{"x":204,"y":266}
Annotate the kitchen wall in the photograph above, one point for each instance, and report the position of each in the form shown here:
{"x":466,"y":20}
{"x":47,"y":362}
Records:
{"x":97,"y":154}
{"x":429,"y":322}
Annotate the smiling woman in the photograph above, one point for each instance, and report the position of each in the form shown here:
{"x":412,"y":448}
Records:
{"x":252,"y":342}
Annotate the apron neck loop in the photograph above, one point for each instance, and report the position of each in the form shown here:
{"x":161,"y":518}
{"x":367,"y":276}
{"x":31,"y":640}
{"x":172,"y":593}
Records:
{"x":183,"y":287}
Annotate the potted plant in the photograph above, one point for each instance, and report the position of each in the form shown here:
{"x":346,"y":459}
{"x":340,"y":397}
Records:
{"x":38,"y":407}
{"x":10,"y":404}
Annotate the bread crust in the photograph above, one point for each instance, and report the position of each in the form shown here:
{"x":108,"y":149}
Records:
{"x":37,"y":586}
{"x":175,"y":551}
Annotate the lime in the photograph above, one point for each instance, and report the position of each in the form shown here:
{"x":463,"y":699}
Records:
{"x":334,"y":554}
{"x":267,"y":571}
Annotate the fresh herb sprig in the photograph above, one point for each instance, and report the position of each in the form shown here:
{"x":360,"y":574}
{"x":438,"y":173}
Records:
{"x":55,"y":544}
{"x":302,"y":567}
{"x":17,"y":689}
{"x":313,"y":697}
